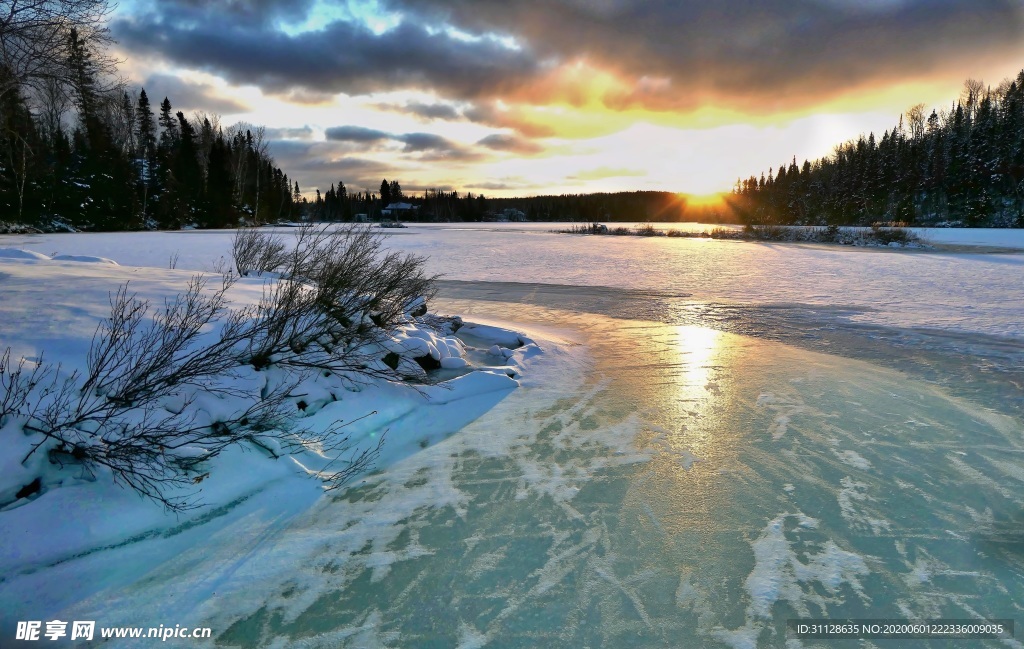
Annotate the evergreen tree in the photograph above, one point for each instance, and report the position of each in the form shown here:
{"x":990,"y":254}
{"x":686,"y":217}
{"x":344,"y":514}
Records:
{"x":961,"y":166}
{"x":145,"y":155}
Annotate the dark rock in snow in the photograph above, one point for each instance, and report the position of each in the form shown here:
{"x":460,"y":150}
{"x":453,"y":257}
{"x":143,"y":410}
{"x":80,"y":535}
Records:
{"x":428,"y":362}
{"x":31,"y":488}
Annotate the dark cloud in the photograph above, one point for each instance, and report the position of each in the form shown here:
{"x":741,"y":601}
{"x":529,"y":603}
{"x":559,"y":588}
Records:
{"x":252,"y":12}
{"x":319,"y":164}
{"x":188,"y":97}
{"x":425,"y":111}
{"x":431,"y":147}
{"x":511,"y":143}
{"x":415,"y":142}
{"x":344,"y":57}
{"x":427,"y":146}
{"x":355,"y":134}
{"x":671,"y":55}
{"x":485,"y":113}
{"x":675,"y":55}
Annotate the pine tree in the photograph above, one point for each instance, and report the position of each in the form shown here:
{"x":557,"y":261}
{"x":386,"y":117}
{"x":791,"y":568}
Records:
{"x":168,"y":126}
{"x":146,"y":153}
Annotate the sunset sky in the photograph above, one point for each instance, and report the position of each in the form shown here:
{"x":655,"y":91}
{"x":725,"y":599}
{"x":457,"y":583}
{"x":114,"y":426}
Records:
{"x":521,"y":97}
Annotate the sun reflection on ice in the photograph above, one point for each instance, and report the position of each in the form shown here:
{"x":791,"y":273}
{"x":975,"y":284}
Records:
{"x":699,"y":349}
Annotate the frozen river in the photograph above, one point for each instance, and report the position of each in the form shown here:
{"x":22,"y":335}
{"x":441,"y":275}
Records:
{"x":723,"y":436}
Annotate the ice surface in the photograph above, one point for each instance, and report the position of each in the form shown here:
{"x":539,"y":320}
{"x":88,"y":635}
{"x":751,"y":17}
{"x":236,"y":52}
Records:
{"x":963,"y":292}
{"x":646,"y":485}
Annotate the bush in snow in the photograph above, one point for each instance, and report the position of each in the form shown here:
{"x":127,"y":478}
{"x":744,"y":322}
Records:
{"x":257,"y":252}
{"x":161,"y":395}
{"x":340,"y":298}
{"x":166,"y":390}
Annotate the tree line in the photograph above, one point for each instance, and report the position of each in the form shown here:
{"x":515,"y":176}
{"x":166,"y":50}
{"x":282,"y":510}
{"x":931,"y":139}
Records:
{"x":338,"y":204}
{"x":961,"y":166}
{"x":80,"y":151}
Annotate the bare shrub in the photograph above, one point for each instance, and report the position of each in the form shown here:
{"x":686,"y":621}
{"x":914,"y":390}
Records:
{"x":256,"y":252}
{"x":725,"y":233}
{"x":130,"y":411}
{"x":135,"y":411}
{"x":341,"y":295}
{"x":17,"y":383}
{"x":887,"y":235}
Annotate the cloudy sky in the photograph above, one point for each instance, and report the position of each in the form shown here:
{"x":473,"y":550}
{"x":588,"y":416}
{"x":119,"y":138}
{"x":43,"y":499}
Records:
{"x":521,"y":97}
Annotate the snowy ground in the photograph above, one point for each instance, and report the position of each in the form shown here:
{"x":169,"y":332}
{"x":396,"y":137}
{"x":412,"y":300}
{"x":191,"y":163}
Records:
{"x":666,"y":474}
{"x":49,"y":312}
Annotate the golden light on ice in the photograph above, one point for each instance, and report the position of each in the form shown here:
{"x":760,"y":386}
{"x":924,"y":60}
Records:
{"x":699,"y":349}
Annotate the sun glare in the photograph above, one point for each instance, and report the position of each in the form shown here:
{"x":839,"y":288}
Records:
{"x":703,"y":201}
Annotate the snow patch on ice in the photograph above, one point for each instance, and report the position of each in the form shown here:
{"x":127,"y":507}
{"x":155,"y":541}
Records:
{"x":849,"y":496}
{"x":470,"y":638}
{"x":854,"y":459}
{"x":780,"y":574}
{"x":783,"y":409}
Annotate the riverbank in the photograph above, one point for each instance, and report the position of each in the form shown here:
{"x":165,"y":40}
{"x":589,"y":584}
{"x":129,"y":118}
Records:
{"x":878,"y":237}
{"x":64,"y":510}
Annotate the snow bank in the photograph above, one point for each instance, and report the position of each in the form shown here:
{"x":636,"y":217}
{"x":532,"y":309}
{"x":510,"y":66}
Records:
{"x":17,"y":253}
{"x":85,"y":258}
{"x":51,"y":310}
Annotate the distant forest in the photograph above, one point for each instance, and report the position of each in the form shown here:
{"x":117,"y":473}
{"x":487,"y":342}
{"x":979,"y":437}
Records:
{"x":961,"y":166}
{"x":119,"y":165}
{"x":337,"y":204}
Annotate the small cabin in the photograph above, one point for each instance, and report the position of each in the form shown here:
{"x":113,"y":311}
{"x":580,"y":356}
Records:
{"x":399,"y":210}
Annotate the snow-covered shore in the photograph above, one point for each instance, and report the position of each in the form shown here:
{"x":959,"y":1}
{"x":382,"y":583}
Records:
{"x":53,"y":513}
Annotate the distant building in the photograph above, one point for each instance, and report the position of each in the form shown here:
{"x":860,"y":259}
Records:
{"x":399,"y":210}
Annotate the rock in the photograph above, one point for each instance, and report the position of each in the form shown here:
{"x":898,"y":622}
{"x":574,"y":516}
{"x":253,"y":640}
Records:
{"x":31,"y":488}
{"x":428,"y":362}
